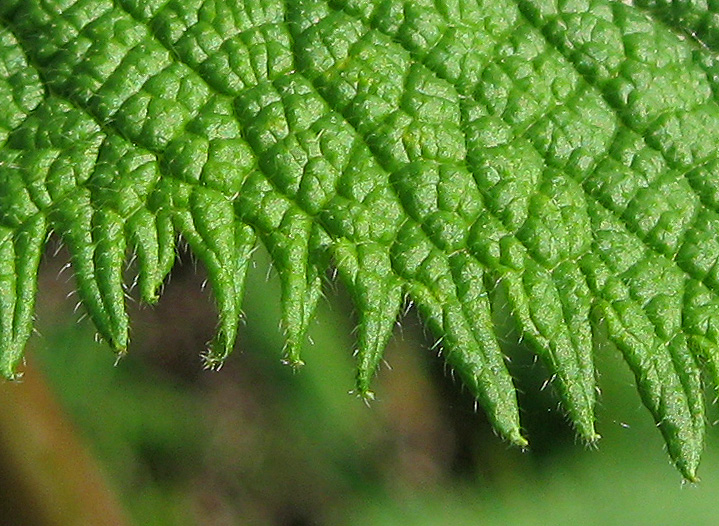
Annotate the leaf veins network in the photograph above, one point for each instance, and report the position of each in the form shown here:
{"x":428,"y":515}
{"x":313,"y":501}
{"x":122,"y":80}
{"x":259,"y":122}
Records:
{"x":563,"y":152}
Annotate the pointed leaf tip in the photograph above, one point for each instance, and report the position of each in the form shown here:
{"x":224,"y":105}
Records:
{"x":293,"y":362}
{"x":366,"y":395}
{"x":211,"y":362}
{"x":517,"y":439}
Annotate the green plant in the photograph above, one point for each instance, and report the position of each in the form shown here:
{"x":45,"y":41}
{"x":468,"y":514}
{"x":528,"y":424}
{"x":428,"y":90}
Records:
{"x":559,"y":152}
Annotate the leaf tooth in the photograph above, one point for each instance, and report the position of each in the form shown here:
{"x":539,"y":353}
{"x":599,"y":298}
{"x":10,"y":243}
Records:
{"x":245,"y":242}
{"x":109,"y":239}
{"x":20,"y":256}
{"x":553,"y":313}
{"x":451,"y":297}
{"x":668,"y":380}
{"x":377,"y":292}
{"x":224,"y":246}
{"x":482,"y":366}
{"x":153,"y":238}
{"x":641,"y":297}
{"x":97,"y":248}
{"x":296,"y":261}
{"x":469,"y":357}
{"x":479,"y":361}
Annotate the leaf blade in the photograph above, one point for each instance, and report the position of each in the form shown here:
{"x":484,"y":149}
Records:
{"x":565,"y":151}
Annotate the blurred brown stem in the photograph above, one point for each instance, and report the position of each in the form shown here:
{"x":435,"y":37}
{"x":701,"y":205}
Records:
{"x":47,"y":476}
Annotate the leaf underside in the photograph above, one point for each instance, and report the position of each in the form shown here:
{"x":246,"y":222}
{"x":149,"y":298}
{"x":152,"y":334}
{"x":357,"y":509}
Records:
{"x":431,"y":151}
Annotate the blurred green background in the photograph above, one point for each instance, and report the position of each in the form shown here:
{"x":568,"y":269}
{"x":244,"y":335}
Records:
{"x":173,"y":444}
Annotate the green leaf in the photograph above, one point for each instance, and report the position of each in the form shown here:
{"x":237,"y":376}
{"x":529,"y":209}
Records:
{"x":556,"y":155}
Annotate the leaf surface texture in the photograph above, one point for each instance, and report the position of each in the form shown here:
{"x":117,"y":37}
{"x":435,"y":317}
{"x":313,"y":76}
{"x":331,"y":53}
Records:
{"x":559,"y":155}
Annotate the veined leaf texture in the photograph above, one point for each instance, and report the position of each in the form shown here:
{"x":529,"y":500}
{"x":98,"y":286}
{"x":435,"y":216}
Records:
{"x":563,"y":152}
